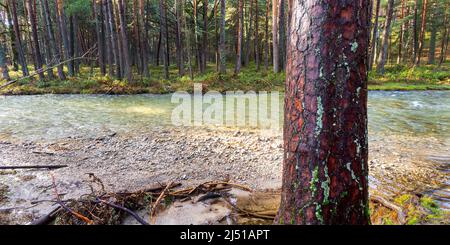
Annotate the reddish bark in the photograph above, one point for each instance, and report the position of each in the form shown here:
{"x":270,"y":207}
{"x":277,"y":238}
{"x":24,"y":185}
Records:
{"x":325,"y":132}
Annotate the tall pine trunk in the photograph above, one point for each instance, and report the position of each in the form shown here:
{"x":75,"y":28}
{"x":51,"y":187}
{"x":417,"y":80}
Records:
{"x":239,"y":36}
{"x":61,"y":18}
{"x":222,"y":51}
{"x":374,"y":35}
{"x":35,"y":37}
{"x":325,"y":170}
{"x":402,"y":32}
{"x":51,"y":38}
{"x":163,"y":26}
{"x":124,"y":40}
{"x":179,"y":36}
{"x":266,"y":37}
{"x":275,"y":46}
{"x":100,"y":35}
{"x":386,"y":33}
{"x":3,"y":65}
{"x":18,"y":39}
{"x":282,"y":34}
{"x":422,"y":31}
{"x":257,"y":61}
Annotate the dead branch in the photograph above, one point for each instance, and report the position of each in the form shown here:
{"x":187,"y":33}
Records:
{"x":163,"y":193}
{"x":51,"y":67}
{"x":400,"y":214}
{"x":34,"y":167}
{"x":135,"y":216}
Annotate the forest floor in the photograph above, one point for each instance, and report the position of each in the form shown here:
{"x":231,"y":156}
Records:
{"x":89,"y":81}
{"x":401,"y":169}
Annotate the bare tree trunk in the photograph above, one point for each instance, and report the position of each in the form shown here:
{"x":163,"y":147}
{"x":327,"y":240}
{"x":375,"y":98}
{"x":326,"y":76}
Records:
{"x":222,"y":51}
{"x":100,"y":35}
{"x":108,"y":43}
{"x":162,"y":24}
{"x":205,"y":36}
{"x":239,"y":36}
{"x":249,"y":35}
{"x":3,"y":66}
{"x":61,"y":18}
{"x":325,"y":171}
{"x":51,"y":39}
{"x":15,"y":55}
{"x":179,"y":37}
{"x":187,"y":34}
{"x":266,"y":31}
{"x":422,"y":30}
{"x":386,"y":32}
{"x":35,"y":38}
{"x":374,"y":35}
{"x":114,"y":39}
{"x":125,"y":48}
{"x":275,"y":46}
{"x":282,"y":34}
{"x":415,"y":35}
{"x":444,"y":43}
{"x":257,"y":35}
{"x":432,"y":50}
{"x":402,"y":32}
{"x":18,"y":39}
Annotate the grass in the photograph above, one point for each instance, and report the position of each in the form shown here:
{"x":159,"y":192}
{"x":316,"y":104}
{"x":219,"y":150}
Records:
{"x":90,"y":81}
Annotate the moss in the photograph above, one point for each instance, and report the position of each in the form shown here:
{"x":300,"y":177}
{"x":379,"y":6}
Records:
{"x":314,"y":180}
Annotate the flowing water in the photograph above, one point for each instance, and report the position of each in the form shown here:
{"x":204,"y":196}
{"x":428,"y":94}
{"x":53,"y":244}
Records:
{"x":52,"y":117}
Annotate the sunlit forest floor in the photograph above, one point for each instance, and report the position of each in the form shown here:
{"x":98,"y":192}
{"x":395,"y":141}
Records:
{"x":89,"y":81}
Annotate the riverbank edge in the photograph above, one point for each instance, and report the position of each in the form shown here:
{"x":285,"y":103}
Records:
{"x":135,"y":90}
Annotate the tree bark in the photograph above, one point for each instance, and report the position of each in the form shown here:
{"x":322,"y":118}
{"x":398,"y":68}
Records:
{"x":432,"y":49}
{"x":222,"y":51}
{"x":374,"y":35}
{"x":239,"y":36}
{"x":205,"y":35}
{"x":100,"y":35}
{"x":415,"y":35}
{"x":266,"y":33}
{"x":124,"y":40}
{"x":179,"y":37}
{"x":114,"y":39}
{"x":282,"y":34}
{"x":422,"y":30}
{"x":257,"y":35}
{"x":386,"y":32}
{"x":61,"y":18}
{"x":162,"y":24}
{"x":325,"y":170}
{"x":402,"y":32}
{"x":444,"y":43}
{"x":18,"y":39}
{"x":275,"y":46}
{"x":15,"y":55}
{"x":249,"y":35}
{"x":3,"y":66}
{"x":37,"y":49}
{"x":51,"y":38}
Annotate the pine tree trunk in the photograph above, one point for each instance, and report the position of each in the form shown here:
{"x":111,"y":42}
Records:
{"x":179,"y":37}
{"x":162,"y":24}
{"x":100,"y":35}
{"x":124,"y":40}
{"x":3,"y":66}
{"x":422,"y":30}
{"x":444,"y":43}
{"x":61,"y":17}
{"x":386,"y":32}
{"x":415,"y":35}
{"x":249,"y":35}
{"x":35,"y":37}
{"x":374,"y":36}
{"x":18,"y":39}
{"x":205,"y":35}
{"x":275,"y":46}
{"x":257,"y":35}
{"x":114,"y":39}
{"x":187,"y":34}
{"x":222,"y":51}
{"x":239,"y":36}
{"x":15,"y":55}
{"x":51,"y":38}
{"x":266,"y":33}
{"x":282,"y":34}
{"x":325,"y":171}
{"x":402,"y":32}
{"x":432,"y":50}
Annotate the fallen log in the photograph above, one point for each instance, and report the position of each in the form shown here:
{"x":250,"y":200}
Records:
{"x":34,"y":167}
{"x":401,"y":216}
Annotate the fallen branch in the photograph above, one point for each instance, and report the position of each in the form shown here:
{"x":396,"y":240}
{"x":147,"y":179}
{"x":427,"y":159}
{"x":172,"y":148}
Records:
{"x":46,"y":219}
{"x":34,"y":167}
{"x":163,"y":193}
{"x":400,"y":214}
{"x":135,"y":216}
{"x":49,"y":68}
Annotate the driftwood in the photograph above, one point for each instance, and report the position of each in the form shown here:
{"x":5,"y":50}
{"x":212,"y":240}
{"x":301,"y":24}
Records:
{"x":34,"y":167}
{"x":401,"y":217}
{"x":46,"y":219}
